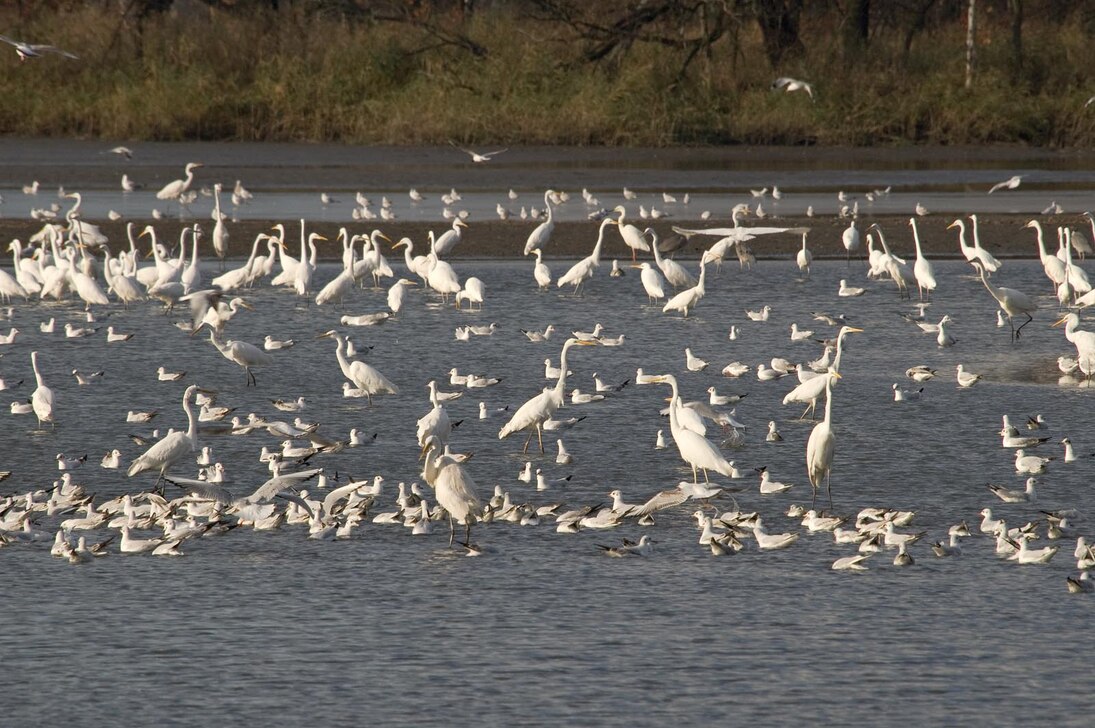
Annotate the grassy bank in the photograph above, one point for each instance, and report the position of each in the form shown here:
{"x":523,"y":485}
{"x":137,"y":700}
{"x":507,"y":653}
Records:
{"x":286,"y":75}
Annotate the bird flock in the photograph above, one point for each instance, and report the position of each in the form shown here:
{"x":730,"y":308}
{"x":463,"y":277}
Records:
{"x":174,"y":489}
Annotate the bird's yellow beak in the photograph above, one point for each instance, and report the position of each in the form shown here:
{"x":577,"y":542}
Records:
{"x":634,"y":265}
{"x":953,"y":224}
{"x":854,"y":330}
{"x":836,"y":374}
{"x":1059,"y":322}
{"x":382,"y":235}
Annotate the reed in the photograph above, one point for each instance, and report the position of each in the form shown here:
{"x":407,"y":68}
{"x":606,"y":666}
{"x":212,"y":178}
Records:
{"x":288,"y":76}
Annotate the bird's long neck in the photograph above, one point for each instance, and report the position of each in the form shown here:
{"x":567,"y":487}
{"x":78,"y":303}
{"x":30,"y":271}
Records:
{"x":595,"y":256}
{"x":962,"y":235}
{"x":1042,"y":254}
{"x":191,"y":423}
{"x":829,"y":402}
{"x":34,"y":363}
{"x":916,"y":239}
{"x":703,"y":276}
{"x":976,"y":235}
{"x":547,"y":206}
{"x":340,"y":354}
{"x":560,"y":385}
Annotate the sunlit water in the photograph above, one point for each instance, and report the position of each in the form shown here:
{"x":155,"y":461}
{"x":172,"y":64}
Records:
{"x":387,"y":628}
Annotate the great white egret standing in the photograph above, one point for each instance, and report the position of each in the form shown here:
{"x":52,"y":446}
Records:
{"x":541,"y":235}
{"x":689,"y":297}
{"x":174,"y":190}
{"x":220,"y":230}
{"x":454,"y":488}
{"x":539,"y":409}
{"x":241,"y":353}
{"x":541,"y":273}
{"x":1011,"y":301}
{"x":922,"y":268}
{"x":172,"y":448}
{"x":631,"y":235}
{"x":694,"y":448}
{"x":821,"y":446}
{"x":364,"y":377}
{"x":803,"y":258}
{"x":1084,"y":341}
{"x":42,"y":399}
{"x":583,"y":269}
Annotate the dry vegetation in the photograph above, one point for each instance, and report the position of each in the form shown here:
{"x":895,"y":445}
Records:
{"x":519,"y":75}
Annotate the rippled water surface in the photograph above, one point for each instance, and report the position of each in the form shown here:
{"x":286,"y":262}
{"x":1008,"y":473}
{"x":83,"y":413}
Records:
{"x":269,"y":628}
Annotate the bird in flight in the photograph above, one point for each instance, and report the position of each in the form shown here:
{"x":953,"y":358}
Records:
{"x":32,"y":50}
{"x":123,"y":152}
{"x":793,"y":84}
{"x":484,"y":157}
{"x":1009,"y":184}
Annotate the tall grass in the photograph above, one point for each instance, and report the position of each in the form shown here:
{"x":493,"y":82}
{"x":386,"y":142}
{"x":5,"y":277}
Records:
{"x":289,"y":76}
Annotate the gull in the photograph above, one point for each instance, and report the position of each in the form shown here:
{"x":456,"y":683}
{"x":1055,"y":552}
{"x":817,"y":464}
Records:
{"x":1008,"y":184}
{"x":772,"y":541}
{"x":65,"y":463}
{"x":296,"y":405}
{"x":122,"y":152}
{"x":988,"y":523}
{"x":272,"y":344}
{"x":659,"y":442}
{"x":83,"y":379}
{"x":538,"y":336}
{"x":851,"y":563}
{"x":35,"y":50}
{"x":761,"y":315}
{"x":717,"y":400}
{"x":948,"y":549}
{"x":799,"y":335}
{"x":906,"y":395}
{"x":849,"y":291}
{"x":814,"y":521}
{"x":735,"y":369}
{"x":1033,"y":464}
{"x":602,"y":386}
{"x":902,"y":558}
{"x":578,"y":397}
{"x":966,"y":379}
{"x":1070,"y":454}
{"x":1015,"y":496}
{"x":694,"y":363}
{"x":564,"y":457}
{"x":113,"y":336}
{"x":767,"y":485}
{"x":1033,"y":556}
{"x":644,"y":547}
{"x":478,"y":157}
{"x":773,"y":433}
{"x":920,"y":373}
{"x":1084,"y":582}
{"x":112,"y":460}
{"x":791,"y":84}
{"x":166,"y":376}
{"x":921,"y":210}
{"x":1012,"y":439}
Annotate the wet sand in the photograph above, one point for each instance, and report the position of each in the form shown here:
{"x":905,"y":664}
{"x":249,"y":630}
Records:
{"x":1002,"y":235}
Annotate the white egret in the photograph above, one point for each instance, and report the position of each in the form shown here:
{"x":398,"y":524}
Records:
{"x":450,"y":238}
{"x":442,"y":278}
{"x":42,"y":399}
{"x":821,"y":446}
{"x":652,"y":282}
{"x":850,"y":238}
{"x":541,"y":236}
{"x":472,"y":293}
{"x":173,"y":448}
{"x":1084,"y":341}
{"x":1008,"y":184}
{"x":418,"y":264}
{"x":583,"y":269}
{"x":361,"y":375}
{"x":689,"y":297}
{"x":174,"y":190}
{"x":539,"y":409}
{"x":541,"y":273}
{"x":803,"y":258}
{"x":694,"y":448}
{"x":673,"y":271}
{"x":1053,"y":266}
{"x":631,"y":235}
{"x":985,"y":256}
{"x":1011,"y":301}
{"x":454,"y":488}
{"x":220,"y":230}
{"x":397,"y":293}
{"x":922,"y":269}
{"x":241,"y":353}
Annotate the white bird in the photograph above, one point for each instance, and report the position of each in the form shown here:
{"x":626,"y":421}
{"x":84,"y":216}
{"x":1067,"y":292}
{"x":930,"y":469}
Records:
{"x":42,"y":399}
{"x":922,"y":269}
{"x":849,"y":291}
{"x":1033,"y":464}
{"x":761,"y":315}
{"x":26,"y":51}
{"x":631,"y":235}
{"x":175,"y":190}
{"x":242,"y":354}
{"x":1012,"y":302}
{"x":791,"y":84}
{"x":773,"y":433}
{"x":851,"y":563}
{"x":850,"y":238}
{"x":360,"y":374}
{"x":1008,"y":184}
{"x":479,"y":157}
{"x":804,"y":258}
{"x":1084,"y":341}
{"x":906,"y":395}
{"x":693,"y":362}
{"x":821,"y":445}
{"x":541,"y":235}
{"x":173,"y":448}
{"x":689,"y":297}
{"x":966,"y":379}
{"x":652,"y":282}
{"x":537,"y":410}
{"x":540,"y":272}
{"x":584,"y":268}
{"x":1027,"y":495}
{"x":453,"y":487}
{"x":694,"y":448}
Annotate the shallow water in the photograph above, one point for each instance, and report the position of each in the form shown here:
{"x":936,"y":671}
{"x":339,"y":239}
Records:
{"x":387,"y":628}
{"x":287,"y":179}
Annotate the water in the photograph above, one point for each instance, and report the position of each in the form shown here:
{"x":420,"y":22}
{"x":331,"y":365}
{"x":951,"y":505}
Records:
{"x":274,"y":629}
{"x":287,"y":179}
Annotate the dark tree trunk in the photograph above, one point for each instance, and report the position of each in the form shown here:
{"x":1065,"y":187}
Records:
{"x":856,"y":29}
{"x":778,"y":20}
{"x":1016,"y":9}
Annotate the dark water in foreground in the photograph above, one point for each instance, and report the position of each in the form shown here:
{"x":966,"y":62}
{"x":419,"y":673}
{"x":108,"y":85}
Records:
{"x":273,"y":629}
